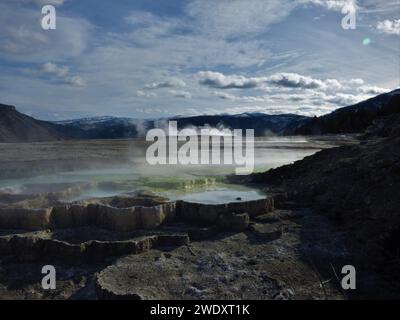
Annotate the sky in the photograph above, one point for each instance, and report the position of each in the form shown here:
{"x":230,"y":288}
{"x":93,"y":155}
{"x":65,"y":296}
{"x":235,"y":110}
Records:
{"x":155,"y":59}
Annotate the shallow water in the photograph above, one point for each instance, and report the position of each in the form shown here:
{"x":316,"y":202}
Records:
{"x":122,"y":168}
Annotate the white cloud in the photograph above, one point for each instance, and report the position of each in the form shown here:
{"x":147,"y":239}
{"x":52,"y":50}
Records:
{"x":293,"y":80}
{"x":224,"y":95}
{"x":221,"y":81}
{"x":336,"y":5}
{"x":75,"y":81}
{"x":52,"y":71}
{"x":227,"y":18}
{"x":288,"y":80}
{"x":231,"y":97}
{"x":141,"y":93}
{"x":344,"y":99}
{"x":389,"y":27}
{"x":52,"y":68}
{"x":333,"y":84}
{"x":305,"y":99}
{"x":356,"y":81}
{"x":171,"y":83}
{"x":372,"y":90}
{"x":180,"y":94}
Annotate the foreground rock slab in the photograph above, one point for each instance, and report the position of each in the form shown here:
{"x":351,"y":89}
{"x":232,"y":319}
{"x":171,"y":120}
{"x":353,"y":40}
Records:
{"x":260,"y":263}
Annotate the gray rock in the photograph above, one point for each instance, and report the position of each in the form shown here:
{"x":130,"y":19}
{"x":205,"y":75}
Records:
{"x":268,"y":232}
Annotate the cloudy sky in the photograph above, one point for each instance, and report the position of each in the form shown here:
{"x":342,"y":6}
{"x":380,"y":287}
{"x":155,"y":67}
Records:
{"x":150,"y":59}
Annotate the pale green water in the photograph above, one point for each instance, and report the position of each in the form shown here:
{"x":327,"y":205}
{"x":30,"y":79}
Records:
{"x":200,"y":183}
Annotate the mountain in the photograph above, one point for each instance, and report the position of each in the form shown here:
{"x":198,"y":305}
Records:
{"x":18,"y":127}
{"x":116,"y":128}
{"x":106,"y":127}
{"x":351,"y":119}
{"x":263,"y":124}
{"x":90,"y":122}
{"x":355,"y":118}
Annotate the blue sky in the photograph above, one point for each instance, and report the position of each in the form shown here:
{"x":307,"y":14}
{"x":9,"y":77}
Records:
{"x":151,"y":59}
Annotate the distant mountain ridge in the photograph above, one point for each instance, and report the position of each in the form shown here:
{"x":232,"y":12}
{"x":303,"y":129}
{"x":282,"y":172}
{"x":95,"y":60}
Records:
{"x":355,"y":118}
{"x":112,"y":127}
{"x":18,"y":127}
{"x":87,"y":121}
{"x":263,"y":124}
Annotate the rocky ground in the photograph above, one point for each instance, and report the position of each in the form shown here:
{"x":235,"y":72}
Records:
{"x":281,"y":254}
{"x":288,"y":254}
{"x":277,"y":257}
{"x":357,"y":187}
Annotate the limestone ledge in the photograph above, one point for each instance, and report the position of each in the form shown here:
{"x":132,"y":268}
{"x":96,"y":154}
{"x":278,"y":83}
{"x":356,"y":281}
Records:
{"x":38,"y":247}
{"x":126,"y":219}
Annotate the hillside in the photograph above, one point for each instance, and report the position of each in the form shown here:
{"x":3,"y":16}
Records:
{"x":18,"y":127}
{"x":355,"y":118}
{"x":357,"y":186}
{"x":107,"y":127}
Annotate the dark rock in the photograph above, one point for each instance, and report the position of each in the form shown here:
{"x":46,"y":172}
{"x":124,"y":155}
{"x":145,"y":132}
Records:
{"x":233,"y":221}
{"x":356,"y":186}
{"x":169,"y":240}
